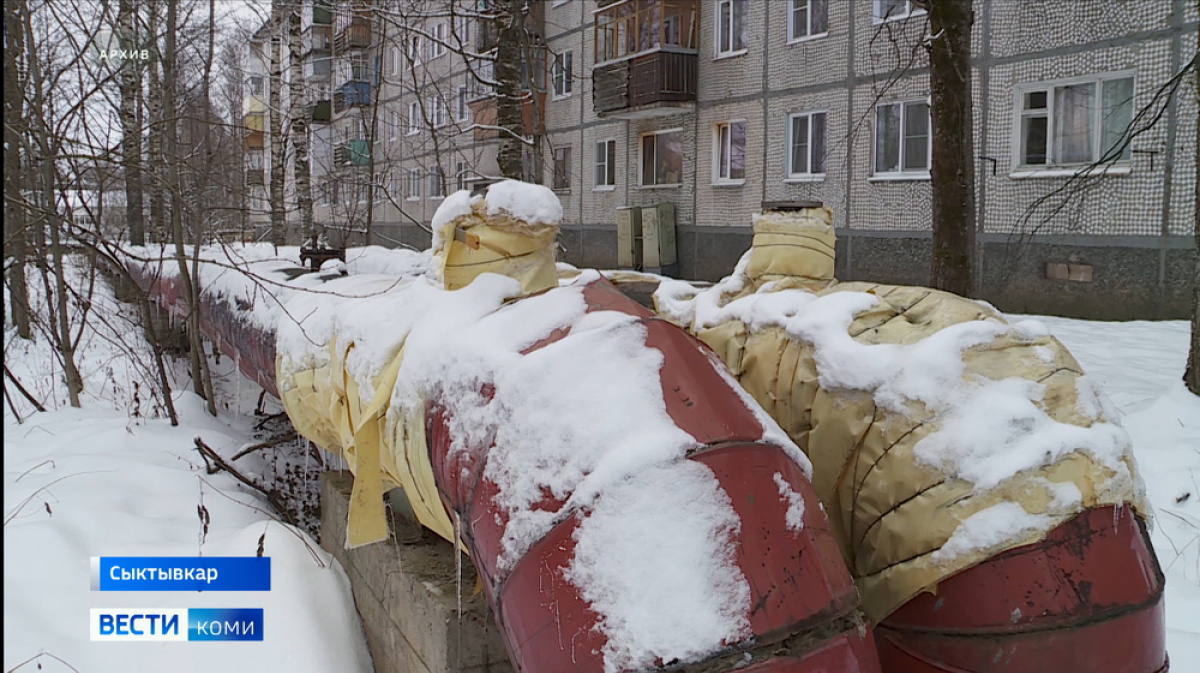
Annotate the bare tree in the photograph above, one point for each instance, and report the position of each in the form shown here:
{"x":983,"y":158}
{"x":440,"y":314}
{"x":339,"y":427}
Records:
{"x":300,"y":171}
{"x":131,"y":141}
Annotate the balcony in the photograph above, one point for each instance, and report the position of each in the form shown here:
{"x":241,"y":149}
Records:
{"x":318,"y":40}
{"x":355,"y":35}
{"x":645,"y":53}
{"x":254,"y":177}
{"x":351,"y":94}
{"x":657,"y":84}
{"x":352,"y":153}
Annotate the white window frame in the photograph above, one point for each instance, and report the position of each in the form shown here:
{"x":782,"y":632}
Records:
{"x":414,"y":118}
{"x":877,"y":12}
{"x":901,"y":173}
{"x":414,"y":49}
{"x":437,"y":112}
{"x":791,"y":10}
{"x":437,"y":180}
{"x":412,"y":188}
{"x":719,"y":38}
{"x":604,"y":159}
{"x":566,"y":173}
{"x":717,"y":178}
{"x":1121,"y":165}
{"x":642,"y":184}
{"x":809,"y":176}
{"x":563,"y":74}
{"x":393,"y":124}
{"x":437,"y":40}
{"x":462,"y":111}
{"x":462,"y":30}
{"x":460,"y":175}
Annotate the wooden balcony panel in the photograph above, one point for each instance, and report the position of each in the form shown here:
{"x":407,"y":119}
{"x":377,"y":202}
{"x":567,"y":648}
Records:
{"x":663,"y":76}
{"x":254,"y":140}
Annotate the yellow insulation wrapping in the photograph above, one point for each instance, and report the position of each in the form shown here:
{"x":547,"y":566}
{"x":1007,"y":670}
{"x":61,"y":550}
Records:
{"x":385,"y":448}
{"x":890,"y":513}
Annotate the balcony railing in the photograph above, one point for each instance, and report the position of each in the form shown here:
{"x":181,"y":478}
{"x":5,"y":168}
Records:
{"x":656,"y":83}
{"x":351,"y":94}
{"x":356,"y":35}
{"x":352,"y":153}
{"x":254,"y":177}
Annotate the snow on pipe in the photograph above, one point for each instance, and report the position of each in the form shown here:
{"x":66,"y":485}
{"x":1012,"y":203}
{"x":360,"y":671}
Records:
{"x":626,"y":504}
{"x":983,"y":495}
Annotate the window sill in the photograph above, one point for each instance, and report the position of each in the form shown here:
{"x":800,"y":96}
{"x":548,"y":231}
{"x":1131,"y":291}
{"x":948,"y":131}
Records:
{"x":604,"y":188}
{"x":560,"y":96}
{"x":561,"y":190}
{"x":800,"y":179}
{"x":730,"y":54}
{"x":729,"y":183}
{"x":1025,"y":172}
{"x":676,"y":185}
{"x":898,"y":177}
{"x":808,"y":38}
{"x":412,"y":199}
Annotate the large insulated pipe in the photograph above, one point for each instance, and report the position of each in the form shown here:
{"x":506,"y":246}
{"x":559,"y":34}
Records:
{"x":801,"y":610}
{"x":985,"y":502}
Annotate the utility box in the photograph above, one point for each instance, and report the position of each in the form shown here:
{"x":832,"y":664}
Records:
{"x":629,"y":238}
{"x":658,"y":237}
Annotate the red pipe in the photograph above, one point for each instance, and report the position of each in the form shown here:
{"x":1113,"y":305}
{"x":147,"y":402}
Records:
{"x":804,"y":603}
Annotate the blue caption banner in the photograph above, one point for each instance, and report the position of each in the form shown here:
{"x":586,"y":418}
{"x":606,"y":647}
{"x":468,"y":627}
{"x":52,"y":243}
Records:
{"x":181,"y":573}
{"x":176,"y":624}
{"x":210,"y":624}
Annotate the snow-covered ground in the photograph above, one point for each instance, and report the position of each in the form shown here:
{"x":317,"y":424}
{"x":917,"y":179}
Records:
{"x":110,"y":479}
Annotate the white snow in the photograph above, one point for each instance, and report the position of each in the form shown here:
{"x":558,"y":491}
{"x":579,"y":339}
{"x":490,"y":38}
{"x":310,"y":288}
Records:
{"x":534,"y":204}
{"x":583,"y":419}
{"x":989,"y":527}
{"x":795,"y":502}
{"x":107,"y":480}
{"x":649,"y":542}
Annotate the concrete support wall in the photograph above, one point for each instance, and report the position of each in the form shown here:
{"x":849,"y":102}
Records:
{"x":405,"y":592}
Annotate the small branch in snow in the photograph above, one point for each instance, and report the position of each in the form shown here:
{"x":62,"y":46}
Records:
{"x":37,"y":405}
{"x":265,"y":445}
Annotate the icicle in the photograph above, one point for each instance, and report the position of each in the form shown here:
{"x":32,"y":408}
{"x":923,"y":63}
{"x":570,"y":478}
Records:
{"x":237,"y":377}
{"x":458,"y":563}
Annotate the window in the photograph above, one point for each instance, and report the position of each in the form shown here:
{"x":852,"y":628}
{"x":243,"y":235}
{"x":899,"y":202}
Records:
{"x":394,"y":53}
{"x":662,"y":158}
{"x":806,"y":144}
{"x":412,"y":191}
{"x":460,"y":176}
{"x":462,"y":30}
{"x":414,"y":118}
{"x":256,"y":85}
{"x":807,"y":18}
{"x":393,"y":124}
{"x":437,"y":40}
{"x":902,"y":137}
{"x":564,"y":78}
{"x":731,"y":27}
{"x":729,"y":140}
{"x":562,"y":168}
{"x":1079,"y":122}
{"x":605,"y":174}
{"x":360,"y":67}
{"x":414,"y":49}
{"x":461,"y":110}
{"x":891,"y":10}
{"x":437,"y":180}
{"x":437,"y":111}
{"x":393,"y":184}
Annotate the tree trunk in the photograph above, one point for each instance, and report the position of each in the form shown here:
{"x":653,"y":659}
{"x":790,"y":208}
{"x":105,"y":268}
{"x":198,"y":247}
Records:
{"x":509,"y":156}
{"x":131,"y":134}
{"x":170,"y":142}
{"x":1191,"y":377}
{"x":14,"y":135}
{"x":275,"y":112}
{"x":154,"y":105}
{"x":200,"y":216}
{"x":299,"y":126}
{"x":952,"y":170}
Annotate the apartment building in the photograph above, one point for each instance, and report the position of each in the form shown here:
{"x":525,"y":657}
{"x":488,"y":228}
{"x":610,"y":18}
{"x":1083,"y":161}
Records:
{"x":716,"y":107}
